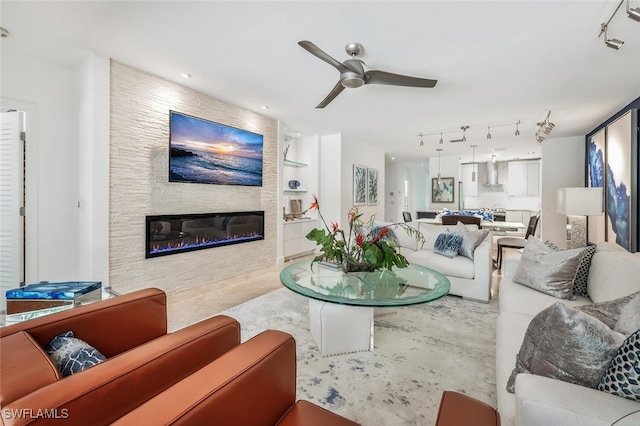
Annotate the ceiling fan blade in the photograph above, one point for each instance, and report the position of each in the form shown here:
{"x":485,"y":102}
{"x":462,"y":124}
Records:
{"x":332,"y":95}
{"x":316,"y":51}
{"x":382,"y":77}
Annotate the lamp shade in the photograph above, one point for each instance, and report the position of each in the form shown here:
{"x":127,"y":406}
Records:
{"x":580,"y":201}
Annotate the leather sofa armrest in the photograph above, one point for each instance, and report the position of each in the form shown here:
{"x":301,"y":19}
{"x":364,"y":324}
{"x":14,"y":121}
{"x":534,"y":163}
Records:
{"x":112,"y":326}
{"x":252,"y":384}
{"x":105,"y":392}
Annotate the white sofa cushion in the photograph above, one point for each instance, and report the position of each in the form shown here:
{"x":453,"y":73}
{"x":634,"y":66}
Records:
{"x":458,"y":266}
{"x":515,"y":297}
{"x":613,"y":274}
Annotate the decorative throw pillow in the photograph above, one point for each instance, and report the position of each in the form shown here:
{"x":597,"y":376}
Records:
{"x":550,"y":272}
{"x":72,"y":355}
{"x":470,"y":239}
{"x":566,"y":344}
{"x":448,"y":244}
{"x":622,"y":315}
{"x":622,"y":378}
{"x":582,"y":275}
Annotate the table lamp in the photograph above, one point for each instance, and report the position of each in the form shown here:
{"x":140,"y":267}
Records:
{"x":577,"y":204}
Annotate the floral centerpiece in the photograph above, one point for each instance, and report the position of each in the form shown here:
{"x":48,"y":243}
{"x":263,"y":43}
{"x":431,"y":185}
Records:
{"x":365,"y":247}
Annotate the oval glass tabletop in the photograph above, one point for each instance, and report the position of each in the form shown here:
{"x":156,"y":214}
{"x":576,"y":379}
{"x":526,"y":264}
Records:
{"x":398,"y":287}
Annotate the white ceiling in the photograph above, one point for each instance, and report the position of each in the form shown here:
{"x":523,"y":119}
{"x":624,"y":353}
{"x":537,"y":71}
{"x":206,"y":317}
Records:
{"x":495,"y":62}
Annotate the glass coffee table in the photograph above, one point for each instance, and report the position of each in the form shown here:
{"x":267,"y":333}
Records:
{"x":341,"y":305}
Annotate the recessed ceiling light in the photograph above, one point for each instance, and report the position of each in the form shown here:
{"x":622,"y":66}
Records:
{"x":393,"y":158}
{"x":265,"y":107}
{"x":185,"y":75}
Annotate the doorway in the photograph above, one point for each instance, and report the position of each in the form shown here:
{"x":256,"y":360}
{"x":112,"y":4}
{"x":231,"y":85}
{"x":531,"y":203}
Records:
{"x":12,"y":196}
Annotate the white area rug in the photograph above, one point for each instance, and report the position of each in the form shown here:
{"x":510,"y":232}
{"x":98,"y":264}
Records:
{"x":420,"y":351}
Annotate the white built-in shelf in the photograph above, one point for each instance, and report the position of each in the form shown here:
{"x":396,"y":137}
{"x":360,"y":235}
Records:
{"x":298,"y":191}
{"x":294,"y":163}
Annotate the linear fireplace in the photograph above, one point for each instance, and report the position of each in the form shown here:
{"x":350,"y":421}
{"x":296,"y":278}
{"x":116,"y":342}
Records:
{"x":171,"y":234}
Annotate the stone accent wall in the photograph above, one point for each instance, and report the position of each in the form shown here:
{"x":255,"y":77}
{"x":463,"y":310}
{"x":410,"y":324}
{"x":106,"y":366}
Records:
{"x":139,"y":185}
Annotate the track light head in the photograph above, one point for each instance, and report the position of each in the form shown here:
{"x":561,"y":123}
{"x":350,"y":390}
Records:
{"x":517,"y":133}
{"x":488,"y":132}
{"x":633,"y":13}
{"x":614,"y":43}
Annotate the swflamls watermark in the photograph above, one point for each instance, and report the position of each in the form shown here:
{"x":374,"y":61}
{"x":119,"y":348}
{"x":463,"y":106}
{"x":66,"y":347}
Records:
{"x":30,"y":413}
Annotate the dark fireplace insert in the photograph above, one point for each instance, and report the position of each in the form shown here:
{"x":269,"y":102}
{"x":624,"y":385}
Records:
{"x":171,"y":234}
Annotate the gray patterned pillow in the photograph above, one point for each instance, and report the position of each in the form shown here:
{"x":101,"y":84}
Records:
{"x":622,"y":315}
{"x":550,"y":272}
{"x":470,"y":239}
{"x":72,"y":355}
{"x":566,"y":344}
{"x":622,"y":378}
{"x":448,"y":244}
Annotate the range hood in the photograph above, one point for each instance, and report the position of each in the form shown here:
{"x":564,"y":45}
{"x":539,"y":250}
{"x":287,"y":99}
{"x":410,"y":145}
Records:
{"x":490,"y":182}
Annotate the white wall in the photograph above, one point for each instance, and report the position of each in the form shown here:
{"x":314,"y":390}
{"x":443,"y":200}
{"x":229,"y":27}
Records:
{"x":52,"y":156}
{"x":330,"y":175}
{"x":93,"y":155}
{"x":356,"y":152}
{"x":563,"y":165}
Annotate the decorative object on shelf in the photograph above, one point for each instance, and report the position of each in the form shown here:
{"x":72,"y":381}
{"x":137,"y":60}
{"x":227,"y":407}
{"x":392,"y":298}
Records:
{"x":366,"y":247}
{"x":372,"y":187}
{"x":359,"y":185}
{"x":294,"y":184}
{"x":443,"y":190}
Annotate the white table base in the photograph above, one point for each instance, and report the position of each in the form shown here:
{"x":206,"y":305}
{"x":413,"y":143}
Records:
{"x":339,"y":329}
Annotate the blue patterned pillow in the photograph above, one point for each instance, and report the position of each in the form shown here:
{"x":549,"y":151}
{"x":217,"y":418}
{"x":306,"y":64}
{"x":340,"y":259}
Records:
{"x":622,"y":378}
{"x":72,"y":355}
{"x":448,"y":244}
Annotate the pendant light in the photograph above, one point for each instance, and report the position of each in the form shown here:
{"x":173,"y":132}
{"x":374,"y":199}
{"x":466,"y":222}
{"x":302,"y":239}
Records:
{"x":439,"y":151}
{"x":441,"y":141}
{"x":488,"y":132}
{"x":473,"y":162}
{"x":517,"y":130}
{"x":421,"y":141}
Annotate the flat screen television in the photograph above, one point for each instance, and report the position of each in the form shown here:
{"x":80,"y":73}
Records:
{"x":202,"y":151}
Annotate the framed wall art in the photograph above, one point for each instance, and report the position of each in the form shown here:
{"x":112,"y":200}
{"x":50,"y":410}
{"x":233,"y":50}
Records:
{"x":372,"y":186}
{"x":442,"y":190}
{"x":359,"y":185}
{"x":612,"y":163}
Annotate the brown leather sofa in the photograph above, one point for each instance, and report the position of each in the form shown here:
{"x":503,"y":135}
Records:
{"x":142,"y":360}
{"x":252,"y":384}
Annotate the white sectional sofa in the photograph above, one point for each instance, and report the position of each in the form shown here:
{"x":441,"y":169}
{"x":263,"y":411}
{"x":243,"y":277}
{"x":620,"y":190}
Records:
{"x":469,"y":278}
{"x":538,"y":400}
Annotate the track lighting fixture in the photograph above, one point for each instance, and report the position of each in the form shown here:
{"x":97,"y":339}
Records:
{"x":517,"y":129}
{"x":464,"y":131}
{"x":633,"y":13}
{"x":473,"y":162}
{"x":544,"y":128}
{"x":439,"y":151}
{"x":614,"y":43}
{"x":421,"y":141}
{"x":488,"y":132}
{"x":441,"y":141}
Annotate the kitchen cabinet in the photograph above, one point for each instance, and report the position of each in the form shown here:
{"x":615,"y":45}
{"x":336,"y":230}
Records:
{"x":524,"y":178}
{"x":469,"y":186}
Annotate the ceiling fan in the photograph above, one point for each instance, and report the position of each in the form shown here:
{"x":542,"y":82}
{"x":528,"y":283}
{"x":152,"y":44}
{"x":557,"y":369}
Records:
{"x":353,"y":74}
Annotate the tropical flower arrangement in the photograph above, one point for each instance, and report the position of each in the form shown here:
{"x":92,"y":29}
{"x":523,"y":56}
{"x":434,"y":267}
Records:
{"x":365,"y":247}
